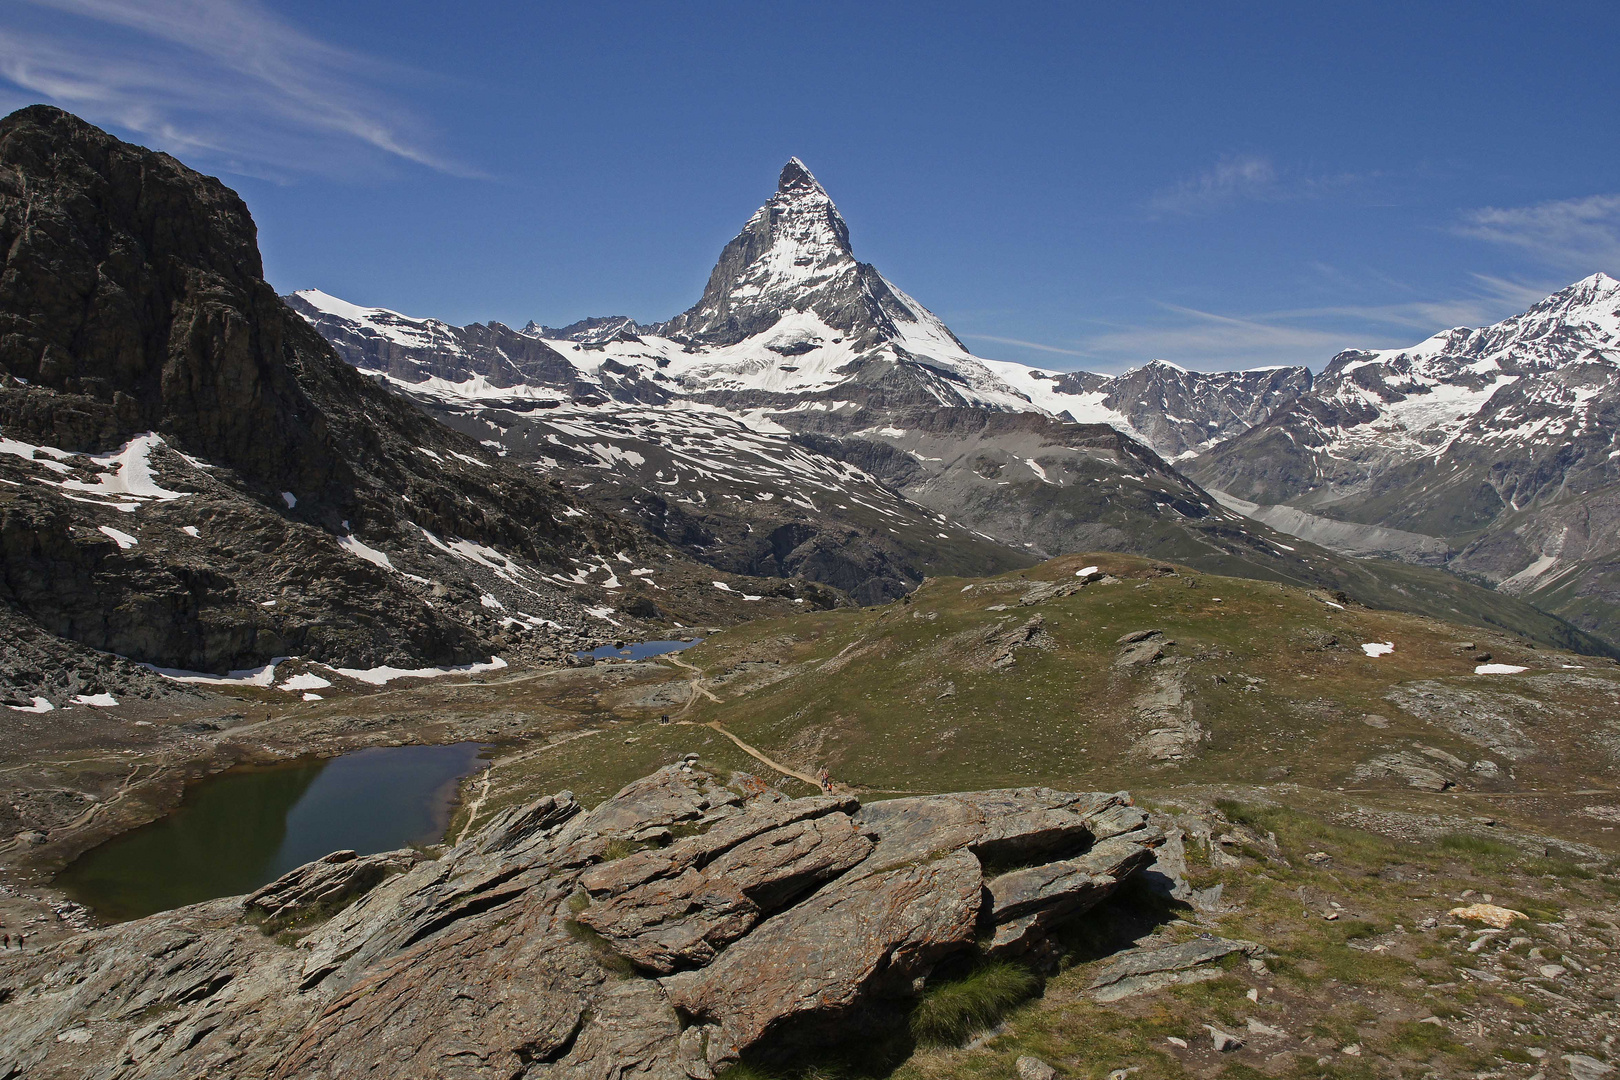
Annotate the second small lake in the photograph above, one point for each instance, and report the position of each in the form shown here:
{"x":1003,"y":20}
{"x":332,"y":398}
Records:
{"x":638,"y":650}
{"x":238,"y":830}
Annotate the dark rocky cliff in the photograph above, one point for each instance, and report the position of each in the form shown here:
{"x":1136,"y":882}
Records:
{"x":253,"y":496}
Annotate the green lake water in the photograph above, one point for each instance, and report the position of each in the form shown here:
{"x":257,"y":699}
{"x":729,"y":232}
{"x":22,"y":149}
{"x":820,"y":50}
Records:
{"x":243,"y":828}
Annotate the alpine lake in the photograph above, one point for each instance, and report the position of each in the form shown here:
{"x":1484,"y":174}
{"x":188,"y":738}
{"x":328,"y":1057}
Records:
{"x":246,"y":827}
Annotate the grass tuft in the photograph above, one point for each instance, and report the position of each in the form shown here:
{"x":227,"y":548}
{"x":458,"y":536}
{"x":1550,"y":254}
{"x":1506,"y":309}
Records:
{"x":950,"y":1012}
{"x":744,"y":1070}
{"x":1467,"y":844}
{"x":605,"y":954}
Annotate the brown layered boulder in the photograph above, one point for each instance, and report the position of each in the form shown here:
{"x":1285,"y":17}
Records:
{"x":862,"y":937}
{"x":677,"y":907}
{"x":538,"y":947}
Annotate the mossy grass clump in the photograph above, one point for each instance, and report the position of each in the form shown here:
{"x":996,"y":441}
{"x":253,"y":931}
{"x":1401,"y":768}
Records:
{"x":950,"y":1012}
{"x":744,"y":1070}
{"x":610,"y":960}
{"x":1468,"y":844}
{"x":619,"y":848}
{"x":1422,"y":1041}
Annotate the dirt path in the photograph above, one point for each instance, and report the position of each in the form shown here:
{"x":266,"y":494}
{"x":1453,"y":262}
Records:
{"x":476,"y":805}
{"x":695,"y":683}
{"x":753,"y":752}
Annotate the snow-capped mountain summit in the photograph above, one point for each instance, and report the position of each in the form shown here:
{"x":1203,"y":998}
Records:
{"x":789,"y":309}
{"x":1179,"y":413}
{"x":794,"y":257}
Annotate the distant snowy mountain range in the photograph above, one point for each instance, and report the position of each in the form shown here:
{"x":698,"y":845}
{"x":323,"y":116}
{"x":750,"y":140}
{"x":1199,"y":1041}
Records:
{"x":1426,"y":454}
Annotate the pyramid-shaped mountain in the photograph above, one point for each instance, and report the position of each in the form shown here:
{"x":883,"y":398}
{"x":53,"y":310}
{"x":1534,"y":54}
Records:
{"x":794,"y":257}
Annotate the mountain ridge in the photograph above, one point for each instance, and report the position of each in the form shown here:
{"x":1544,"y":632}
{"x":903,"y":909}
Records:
{"x":794,"y":333}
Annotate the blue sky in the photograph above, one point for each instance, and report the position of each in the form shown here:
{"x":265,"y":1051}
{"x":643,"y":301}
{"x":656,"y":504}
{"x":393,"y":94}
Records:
{"x":1070,"y":185}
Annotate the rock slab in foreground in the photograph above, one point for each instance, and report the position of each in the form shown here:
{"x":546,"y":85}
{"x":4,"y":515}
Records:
{"x":529,"y":951}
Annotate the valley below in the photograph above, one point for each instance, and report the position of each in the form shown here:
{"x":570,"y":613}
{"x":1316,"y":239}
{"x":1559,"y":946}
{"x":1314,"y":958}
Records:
{"x":1336,"y":782}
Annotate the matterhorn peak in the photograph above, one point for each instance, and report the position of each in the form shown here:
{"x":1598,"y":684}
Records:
{"x":796,"y":176}
{"x":790,"y":278}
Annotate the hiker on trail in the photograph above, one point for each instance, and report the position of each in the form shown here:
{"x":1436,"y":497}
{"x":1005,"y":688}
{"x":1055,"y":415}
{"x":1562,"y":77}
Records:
{"x":824,"y":778}
{"x":19,"y":941}
{"x":7,"y":940}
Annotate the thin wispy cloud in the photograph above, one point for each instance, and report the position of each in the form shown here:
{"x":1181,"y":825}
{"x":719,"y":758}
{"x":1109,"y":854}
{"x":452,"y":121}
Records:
{"x":1036,"y":345}
{"x":1232,"y":178}
{"x":223,"y":79}
{"x":1237,"y":178}
{"x":1489,"y":299}
{"x":1580,"y":235}
{"x":1210,"y":340}
{"x":1310,"y":336}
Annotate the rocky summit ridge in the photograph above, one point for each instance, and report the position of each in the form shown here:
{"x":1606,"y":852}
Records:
{"x":1494,"y":446}
{"x":676,"y":926}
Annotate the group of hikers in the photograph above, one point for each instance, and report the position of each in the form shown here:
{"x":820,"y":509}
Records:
{"x":7,"y":940}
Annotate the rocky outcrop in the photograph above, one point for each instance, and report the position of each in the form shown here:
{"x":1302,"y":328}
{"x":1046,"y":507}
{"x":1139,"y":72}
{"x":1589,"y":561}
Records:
{"x":323,"y":886}
{"x":664,"y":933}
{"x":1140,"y":971}
{"x":136,"y":326}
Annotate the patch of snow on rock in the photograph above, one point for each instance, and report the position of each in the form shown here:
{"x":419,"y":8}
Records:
{"x":359,"y":550}
{"x":377,"y":676}
{"x":263,"y":675}
{"x":122,"y":539}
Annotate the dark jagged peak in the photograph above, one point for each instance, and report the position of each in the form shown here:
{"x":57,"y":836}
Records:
{"x":796,"y":176}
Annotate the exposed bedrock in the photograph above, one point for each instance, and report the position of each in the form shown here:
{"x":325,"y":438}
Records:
{"x":661,"y":934}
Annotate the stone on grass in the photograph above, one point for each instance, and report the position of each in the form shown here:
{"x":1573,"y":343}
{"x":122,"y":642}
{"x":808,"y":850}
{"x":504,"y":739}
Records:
{"x":1489,"y":914}
{"x":1582,"y":1067}
{"x":1033,"y":1068}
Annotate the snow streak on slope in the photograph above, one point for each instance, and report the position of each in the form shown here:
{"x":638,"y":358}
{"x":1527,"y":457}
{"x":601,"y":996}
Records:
{"x":1045,"y":393}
